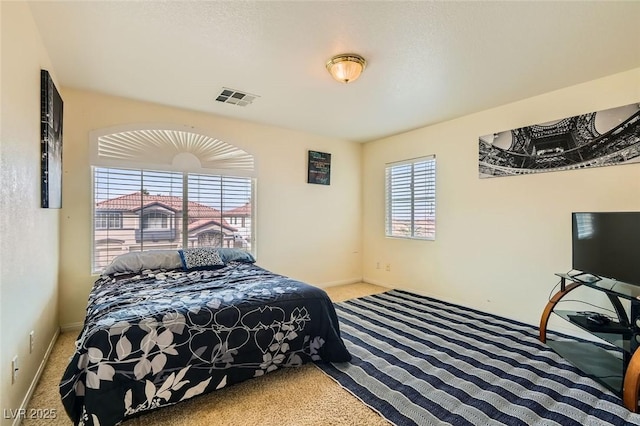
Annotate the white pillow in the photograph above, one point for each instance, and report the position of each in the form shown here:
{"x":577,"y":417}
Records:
{"x":136,"y":261}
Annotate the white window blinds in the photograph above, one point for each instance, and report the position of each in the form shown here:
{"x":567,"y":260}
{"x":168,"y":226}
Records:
{"x":411,"y":198}
{"x":138,"y":210}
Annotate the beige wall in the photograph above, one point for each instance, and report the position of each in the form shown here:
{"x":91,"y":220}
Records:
{"x":308,"y":232}
{"x":499,"y":240}
{"x":28,"y":233}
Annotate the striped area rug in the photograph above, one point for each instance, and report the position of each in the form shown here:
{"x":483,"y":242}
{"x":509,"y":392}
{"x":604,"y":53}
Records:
{"x":421,"y":361}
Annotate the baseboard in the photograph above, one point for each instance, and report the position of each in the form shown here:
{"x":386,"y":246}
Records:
{"x":340,"y":282}
{"x":418,"y":292}
{"x":446,"y":299}
{"x":379,"y":283}
{"x":23,"y":407}
{"x":72,"y":326}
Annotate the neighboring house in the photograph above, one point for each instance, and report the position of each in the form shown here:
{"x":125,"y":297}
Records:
{"x":140,"y":221}
{"x":240,"y":218}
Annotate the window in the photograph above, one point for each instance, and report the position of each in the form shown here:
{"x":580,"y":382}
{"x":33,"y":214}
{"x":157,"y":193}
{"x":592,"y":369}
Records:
{"x":109,"y":220}
{"x":155,"y":220}
{"x":411,"y":199}
{"x":167,"y":210}
{"x":168,"y":187}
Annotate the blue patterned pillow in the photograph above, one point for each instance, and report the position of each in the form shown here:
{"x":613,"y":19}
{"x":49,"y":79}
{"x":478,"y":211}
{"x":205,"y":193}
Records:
{"x":194,"y":259}
{"x":230,"y":254}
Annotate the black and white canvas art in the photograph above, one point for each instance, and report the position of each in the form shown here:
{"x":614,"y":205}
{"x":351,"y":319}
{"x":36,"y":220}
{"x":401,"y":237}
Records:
{"x":603,"y":138}
{"x":51,"y":142}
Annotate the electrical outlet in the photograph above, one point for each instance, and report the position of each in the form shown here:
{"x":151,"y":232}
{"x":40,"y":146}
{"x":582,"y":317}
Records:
{"x":388,"y":267}
{"x":377,"y":265}
{"x":14,"y":369}
{"x":32,"y":341}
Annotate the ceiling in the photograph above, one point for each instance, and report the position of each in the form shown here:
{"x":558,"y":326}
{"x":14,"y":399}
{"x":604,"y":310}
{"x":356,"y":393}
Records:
{"x":427,"y":61}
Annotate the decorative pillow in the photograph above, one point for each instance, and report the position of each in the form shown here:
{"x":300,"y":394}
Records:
{"x":235,"y":255}
{"x":136,"y":261}
{"x":200,"y":258}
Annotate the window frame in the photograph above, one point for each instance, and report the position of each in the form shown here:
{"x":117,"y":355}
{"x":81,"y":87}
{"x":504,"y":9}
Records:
{"x":424,"y":194}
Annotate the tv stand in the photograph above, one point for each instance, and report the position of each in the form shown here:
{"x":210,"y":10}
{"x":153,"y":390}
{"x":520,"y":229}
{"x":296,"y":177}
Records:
{"x":619,"y":374}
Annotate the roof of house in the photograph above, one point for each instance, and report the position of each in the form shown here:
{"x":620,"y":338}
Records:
{"x":239,"y":211}
{"x":132,"y":202}
{"x":204,"y":223}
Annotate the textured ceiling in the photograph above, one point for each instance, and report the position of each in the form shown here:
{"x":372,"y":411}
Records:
{"x":427,"y":61}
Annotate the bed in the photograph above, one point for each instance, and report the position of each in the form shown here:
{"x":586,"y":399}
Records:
{"x":165,"y":326}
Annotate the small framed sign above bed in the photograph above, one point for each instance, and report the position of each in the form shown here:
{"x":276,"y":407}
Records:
{"x":319,"y":170}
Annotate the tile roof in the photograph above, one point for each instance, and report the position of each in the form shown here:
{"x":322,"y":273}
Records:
{"x":131,"y":202}
{"x":201,"y":223}
{"x":239,"y":211}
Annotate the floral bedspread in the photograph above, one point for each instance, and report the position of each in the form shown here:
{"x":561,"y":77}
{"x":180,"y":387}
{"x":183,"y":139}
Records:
{"x":161,"y":337}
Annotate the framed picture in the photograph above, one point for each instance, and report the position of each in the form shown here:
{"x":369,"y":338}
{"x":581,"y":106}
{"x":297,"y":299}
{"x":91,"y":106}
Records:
{"x":602,"y":138}
{"x":319,"y":169}
{"x":50,"y":142}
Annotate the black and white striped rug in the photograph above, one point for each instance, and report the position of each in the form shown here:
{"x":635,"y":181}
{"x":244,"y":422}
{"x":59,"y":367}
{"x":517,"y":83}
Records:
{"x":421,"y":361}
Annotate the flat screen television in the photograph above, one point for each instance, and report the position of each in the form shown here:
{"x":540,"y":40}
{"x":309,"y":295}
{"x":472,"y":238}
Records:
{"x":607,"y":245}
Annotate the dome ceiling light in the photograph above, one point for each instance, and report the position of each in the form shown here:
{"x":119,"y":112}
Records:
{"x":346,"y":67}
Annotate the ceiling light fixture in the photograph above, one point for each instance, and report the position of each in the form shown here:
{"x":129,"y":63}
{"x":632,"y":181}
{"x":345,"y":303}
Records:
{"x":346,"y":67}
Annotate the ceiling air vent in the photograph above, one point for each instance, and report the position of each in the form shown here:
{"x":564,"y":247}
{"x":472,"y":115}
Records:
{"x":236,"y":97}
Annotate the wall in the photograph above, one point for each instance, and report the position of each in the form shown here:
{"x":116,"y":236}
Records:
{"x":499,"y":240}
{"x":29,"y":234}
{"x":308,"y":232}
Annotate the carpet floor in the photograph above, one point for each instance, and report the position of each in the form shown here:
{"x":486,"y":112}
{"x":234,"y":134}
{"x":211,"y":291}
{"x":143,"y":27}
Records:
{"x":293,"y":396}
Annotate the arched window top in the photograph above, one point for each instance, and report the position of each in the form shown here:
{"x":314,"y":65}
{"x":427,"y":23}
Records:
{"x":166,"y":148}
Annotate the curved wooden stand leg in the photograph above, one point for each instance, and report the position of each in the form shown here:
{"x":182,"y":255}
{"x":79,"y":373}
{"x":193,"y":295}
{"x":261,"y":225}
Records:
{"x":549,"y":308}
{"x":632,"y":383}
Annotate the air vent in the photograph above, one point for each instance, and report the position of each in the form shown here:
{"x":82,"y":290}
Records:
{"x":236,"y":97}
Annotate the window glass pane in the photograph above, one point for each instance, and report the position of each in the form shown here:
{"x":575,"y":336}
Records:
{"x":144,"y":209}
{"x":205,"y":225}
{"x":410,"y":199}
{"x":135,"y":210}
{"x":220,"y":211}
{"x":113,"y":189}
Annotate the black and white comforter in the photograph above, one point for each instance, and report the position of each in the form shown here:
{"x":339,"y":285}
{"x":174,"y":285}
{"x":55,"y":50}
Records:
{"x":160,"y":337}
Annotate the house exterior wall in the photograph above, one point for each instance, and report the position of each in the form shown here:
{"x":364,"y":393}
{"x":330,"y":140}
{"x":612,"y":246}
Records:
{"x":498,"y":241}
{"x":128,"y":237}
